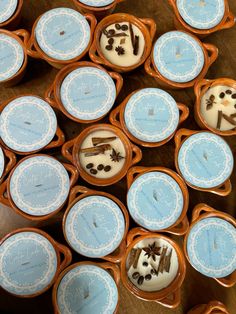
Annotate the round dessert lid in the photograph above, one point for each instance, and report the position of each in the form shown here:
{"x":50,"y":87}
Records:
{"x":151,"y":115}
{"x":2,"y":162}
{"x":97,"y":3}
{"x":205,"y":160}
{"x":87,"y":289}
{"x":178,"y":57}
{"x":28,"y":263}
{"x":201,"y":14}
{"x":39,"y":185}
{"x":95,"y":226}
{"x":7,"y":9}
{"x":155,"y":200}
{"x":28,"y":124}
{"x":211,"y":247}
{"x":88,"y":93}
{"x":62,"y":33}
{"x":11,"y":56}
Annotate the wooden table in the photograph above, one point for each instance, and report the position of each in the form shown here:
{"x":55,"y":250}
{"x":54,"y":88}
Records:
{"x":197,"y":288}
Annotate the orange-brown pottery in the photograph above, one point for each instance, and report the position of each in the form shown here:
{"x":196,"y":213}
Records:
{"x":213,"y":307}
{"x":14,"y":20}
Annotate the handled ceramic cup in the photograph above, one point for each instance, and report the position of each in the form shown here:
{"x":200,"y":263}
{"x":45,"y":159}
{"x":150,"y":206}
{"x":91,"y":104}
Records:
{"x":206,"y":105}
{"x":38,"y":186}
{"x":168,"y":296}
{"x":210,"y":149}
{"x":212,"y":223}
{"x":117,"y":151}
{"x":7,"y":162}
{"x":31,"y":261}
{"x":10,"y":14}
{"x":73,"y":102}
{"x":210,"y":308}
{"x":146,"y":26}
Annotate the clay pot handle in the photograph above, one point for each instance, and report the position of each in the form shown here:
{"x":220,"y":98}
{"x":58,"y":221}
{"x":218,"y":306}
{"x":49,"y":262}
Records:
{"x":215,"y":305}
{"x":199,"y":85}
{"x":230,"y":21}
{"x":182,"y":133}
{"x":3,"y":194}
{"x":228,"y":281}
{"x":137,"y":154}
{"x":114,"y":270}
{"x":149,"y":69}
{"x":49,"y":96}
{"x":181,"y":228}
{"x":118,"y":1}
{"x":78,"y":190}
{"x":32,"y":52}
{"x":224,"y":190}
{"x":23,"y":33}
{"x":172,"y":3}
{"x":116,"y":258}
{"x":212,"y":53}
{"x":93,"y":54}
{"x":11,"y":161}
{"x":132,"y":172}
{"x":198,"y":209}
{"x":59,"y":141}
{"x":184,"y":112}
{"x":151,"y":25}
{"x":65,"y":251}
{"x":119,"y":81}
{"x":134,"y":233}
{"x":73,"y":172}
{"x":114,"y":116}
{"x":66,"y":150}
{"x":92,"y":21}
{"x":173,"y":302}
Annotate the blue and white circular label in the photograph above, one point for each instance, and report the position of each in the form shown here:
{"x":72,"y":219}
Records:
{"x":28,"y":263}
{"x":155,"y":200}
{"x":88,"y":93}
{"x":97,"y":3}
{"x":151,"y":115}
{"x":11,"y":56}
{"x":87,"y":289}
{"x":201,"y":14}
{"x":205,"y":160}
{"x":62,"y":33}
{"x":211,"y":247}
{"x":178,"y":57}
{"x":2,"y":162}
{"x":39,"y":185}
{"x":27,"y":124}
{"x":7,"y":9}
{"x":95,"y":226}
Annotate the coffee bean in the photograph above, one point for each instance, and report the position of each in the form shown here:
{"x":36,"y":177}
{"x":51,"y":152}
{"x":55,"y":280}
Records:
{"x":111,"y":32}
{"x":93,"y":171}
{"x":124,"y":27}
{"x":107,"y":168}
{"x":111,"y":41}
{"x":135,"y":275}
{"x":222,"y":95}
{"x":140,"y":280}
{"x":117,"y":26}
{"x":100,"y":167}
{"x":228,"y":92}
{"x":233,"y":96}
{"x":145,"y":264}
{"x":153,"y":272}
{"x":148,"y":277}
{"x":89,"y":166}
{"x":109,"y":47}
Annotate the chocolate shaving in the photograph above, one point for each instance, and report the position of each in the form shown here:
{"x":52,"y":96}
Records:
{"x":93,"y":151}
{"x":162,"y":260}
{"x":131,"y":258}
{"x":102,"y":140}
{"x":233,"y":115}
{"x":138,"y":252}
{"x":131,"y":34}
{"x":229,"y":119}
{"x":219,"y":119}
{"x":136,"y":45}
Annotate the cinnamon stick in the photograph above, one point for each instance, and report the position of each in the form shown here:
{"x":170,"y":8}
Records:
{"x":136,"y":45}
{"x":102,"y":140}
{"x":162,"y":260}
{"x":168,"y":262}
{"x":229,"y":119}
{"x":138,"y":252}
{"x":131,"y":258}
{"x":131,"y":34}
{"x":233,"y":115}
{"x":220,"y":113}
{"x":93,"y":151}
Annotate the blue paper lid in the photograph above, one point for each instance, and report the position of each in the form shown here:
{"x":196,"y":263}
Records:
{"x":11,"y":56}
{"x":88,"y":93}
{"x":178,"y":57}
{"x":155,"y":200}
{"x":201,"y":14}
{"x":97,"y":3}
{"x":27,"y":124}
{"x":39,"y":185}
{"x":7,"y":9}
{"x":62,"y":33}
{"x":95,"y":226}
{"x":87,"y":289}
{"x":211,"y":247}
{"x":28,"y":263}
{"x":151,"y":115}
{"x":205,"y":160}
{"x":2,"y":162}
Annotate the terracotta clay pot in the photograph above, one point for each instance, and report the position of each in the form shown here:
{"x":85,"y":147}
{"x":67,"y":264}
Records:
{"x":222,"y":189}
{"x":117,"y":118}
{"x":14,"y":20}
{"x":22,"y":37}
{"x":200,"y":89}
{"x":180,"y":24}
{"x":79,"y":193}
{"x":181,"y":225}
{"x":169,"y":296}
{"x":53,"y":94}
{"x":99,"y":12}
{"x":57,"y":141}
{"x":212,"y":307}
{"x":7,"y":188}
{"x":34,"y":50}
{"x":53,"y":249}
{"x":210,"y":55}
{"x":71,"y":149}
{"x":146,"y":25}
{"x":7,"y":162}
{"x":111,"y":269}
{"x":201,"y":213}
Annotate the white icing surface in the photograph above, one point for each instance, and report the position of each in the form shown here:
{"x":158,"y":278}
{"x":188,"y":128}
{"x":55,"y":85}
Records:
{"x":128,"y":59}
{"x":105,"y":158}
{"x":226,"y":105}
{"x":163,"y":279}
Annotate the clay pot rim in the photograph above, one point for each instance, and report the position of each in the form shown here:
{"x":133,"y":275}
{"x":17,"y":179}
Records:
{"x":15,"y":14}
{"x":94,"y":8}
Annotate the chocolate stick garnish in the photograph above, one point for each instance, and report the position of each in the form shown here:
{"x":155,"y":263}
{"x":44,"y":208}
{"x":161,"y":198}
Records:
{"x":219,"y":119}
{"x":93,"y":151}
{"x":131,"y":258}
{"x":136,"y":45}
{"x":229,"y":119}
{"x":131,"y":34}
{"x":138,"y":252}
{"x":102,"y":140}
